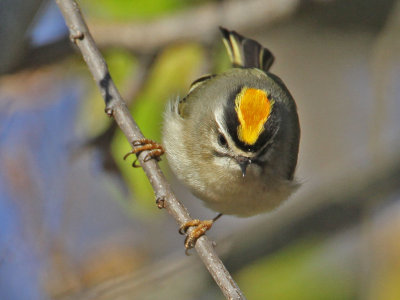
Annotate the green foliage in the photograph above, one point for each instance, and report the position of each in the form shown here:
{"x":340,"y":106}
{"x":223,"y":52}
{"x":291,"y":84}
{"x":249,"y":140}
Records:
{"x":221,"y":59}
{"x":172,"y":73}
{"x":121,"y":65}
{"x":128,"y":9}
{"x":296,"y":273}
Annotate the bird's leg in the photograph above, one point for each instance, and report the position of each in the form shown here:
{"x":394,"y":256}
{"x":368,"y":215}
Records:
{"x":155,"y":150}
{"x":200,"y":228}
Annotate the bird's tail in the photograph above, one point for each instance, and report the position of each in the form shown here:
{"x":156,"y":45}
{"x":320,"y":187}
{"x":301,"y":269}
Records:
{"x":246,"y":53}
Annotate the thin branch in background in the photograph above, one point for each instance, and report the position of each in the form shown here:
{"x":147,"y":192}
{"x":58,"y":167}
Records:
{"x":195,"y":24}
{"x":117,"y":108}
{"x":198,"y":23}
{"x":384,"y":53}
{"x":136,"y":84}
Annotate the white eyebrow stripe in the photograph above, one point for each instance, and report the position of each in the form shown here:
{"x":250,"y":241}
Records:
{"x":218,"y":114}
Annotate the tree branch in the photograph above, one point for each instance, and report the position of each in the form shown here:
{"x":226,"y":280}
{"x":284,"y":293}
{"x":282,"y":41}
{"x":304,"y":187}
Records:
{"x":199,"y":23}
{"x":117,"y":108}
{"x":102,"y":141}
{"x":142,"y":37}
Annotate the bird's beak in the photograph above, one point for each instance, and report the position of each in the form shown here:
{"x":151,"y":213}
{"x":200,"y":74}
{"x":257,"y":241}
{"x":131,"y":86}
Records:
{"x":243,"y":162}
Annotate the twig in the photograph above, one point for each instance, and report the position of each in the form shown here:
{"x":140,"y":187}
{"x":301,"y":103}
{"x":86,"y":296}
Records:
{"x":384,"y":53}
{"x":199,"y":23}
{"x":116,"y":107}
{"x":102,"y":141}
{"x":142,"y":37}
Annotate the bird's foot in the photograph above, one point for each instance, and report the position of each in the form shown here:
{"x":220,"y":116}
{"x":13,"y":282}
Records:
{"x":155,"y":150}
{"x":200,"y":228}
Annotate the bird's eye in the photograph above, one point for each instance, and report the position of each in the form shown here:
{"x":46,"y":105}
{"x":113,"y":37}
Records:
{"x":222,"y":140}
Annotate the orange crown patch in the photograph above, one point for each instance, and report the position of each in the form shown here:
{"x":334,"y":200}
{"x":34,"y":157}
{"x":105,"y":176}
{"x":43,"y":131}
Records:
{"x":253,"y":109}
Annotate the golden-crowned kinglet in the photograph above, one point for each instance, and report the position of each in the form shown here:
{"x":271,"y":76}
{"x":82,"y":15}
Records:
{"x":234,"y":139}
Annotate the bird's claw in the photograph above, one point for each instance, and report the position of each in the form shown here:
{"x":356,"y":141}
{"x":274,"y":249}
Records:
{"x":154,"y":149}
{"x":200,"y":228}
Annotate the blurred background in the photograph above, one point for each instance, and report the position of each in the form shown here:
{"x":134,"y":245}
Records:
{"x":78,"y":222}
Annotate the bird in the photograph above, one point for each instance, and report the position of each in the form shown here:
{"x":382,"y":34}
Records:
{"x":233,"y":140}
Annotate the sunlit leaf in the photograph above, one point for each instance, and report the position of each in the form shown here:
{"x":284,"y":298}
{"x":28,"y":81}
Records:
{"x":294,"y":274}
{"x":128,"y":9}
{"x":173,"y":71}
{"x":121,"y":65}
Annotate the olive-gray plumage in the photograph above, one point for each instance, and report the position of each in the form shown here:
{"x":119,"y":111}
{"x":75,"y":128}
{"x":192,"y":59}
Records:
{"x":204,"y":151}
